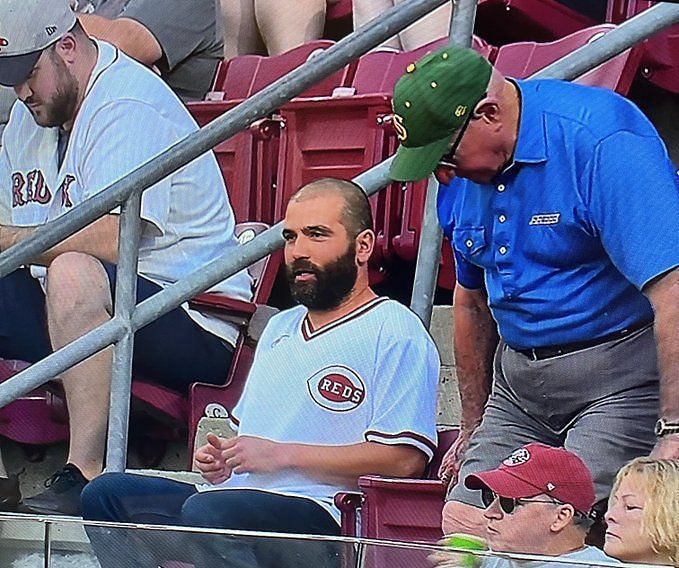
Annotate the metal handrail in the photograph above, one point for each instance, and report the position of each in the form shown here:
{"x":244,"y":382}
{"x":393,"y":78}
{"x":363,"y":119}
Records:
{"x":123,"y":325}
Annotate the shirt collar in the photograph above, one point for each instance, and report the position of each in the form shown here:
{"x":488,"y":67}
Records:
{"x":531,"y":146}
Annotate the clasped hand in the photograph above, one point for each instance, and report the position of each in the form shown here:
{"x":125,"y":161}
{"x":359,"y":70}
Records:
{"x":221,"y":457}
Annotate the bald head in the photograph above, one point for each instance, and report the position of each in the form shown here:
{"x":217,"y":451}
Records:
{"x":356,"y":213}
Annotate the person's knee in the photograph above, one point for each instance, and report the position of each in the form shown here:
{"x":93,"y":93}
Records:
{"x":202,"y":510}
{"x":76,"y":283}
{"x":462,"y":518}
{"x":97,"y":499}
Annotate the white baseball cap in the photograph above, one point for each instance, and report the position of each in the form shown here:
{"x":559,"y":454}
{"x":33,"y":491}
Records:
{"x":27,"y":27}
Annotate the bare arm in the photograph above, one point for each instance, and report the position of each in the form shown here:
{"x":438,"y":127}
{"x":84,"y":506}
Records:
{"x":474,"y":344}
{"x":100,"y":239}
{"x":664,"y":295}
{"x":126,"y":34}
{"x":337,"y":464}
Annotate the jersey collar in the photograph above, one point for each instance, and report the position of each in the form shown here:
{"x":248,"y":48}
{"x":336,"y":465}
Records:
{"x":308,"y":331}
{"x":531,"y":147}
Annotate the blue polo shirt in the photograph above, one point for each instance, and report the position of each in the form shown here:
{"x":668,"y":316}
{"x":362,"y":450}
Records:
{"x":565,"y":239}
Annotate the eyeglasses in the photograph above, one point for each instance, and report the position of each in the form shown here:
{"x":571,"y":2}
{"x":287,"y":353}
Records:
{"x":509,"y":504}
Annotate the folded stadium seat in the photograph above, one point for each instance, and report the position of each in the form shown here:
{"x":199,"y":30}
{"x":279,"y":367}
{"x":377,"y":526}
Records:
{"x":521,"y":60}
{"x":247,"y":162}
{"x":507,"y":21}
{"x":360,"y":120}
{"x":249,"y":159}
{"x":396,"y":509}
{"x":660,"y":58}
{"x":37,"y":418}
{"x":172,"y":407}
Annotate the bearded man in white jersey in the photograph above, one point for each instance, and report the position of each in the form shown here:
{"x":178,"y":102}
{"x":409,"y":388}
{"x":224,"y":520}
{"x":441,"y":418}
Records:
{"x":341,"y":386}
{"x":87,"y":115}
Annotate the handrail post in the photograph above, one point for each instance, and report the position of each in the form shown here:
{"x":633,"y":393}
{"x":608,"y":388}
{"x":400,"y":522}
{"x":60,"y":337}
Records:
{"x":125,"y":302}
{"x":431,"y":236}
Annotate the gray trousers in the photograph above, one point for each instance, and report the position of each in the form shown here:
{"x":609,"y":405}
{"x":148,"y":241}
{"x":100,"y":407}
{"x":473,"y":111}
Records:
{"x":601,"y":403}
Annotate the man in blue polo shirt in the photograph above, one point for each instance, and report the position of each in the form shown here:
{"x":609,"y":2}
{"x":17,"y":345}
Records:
{"x":562,"y":207}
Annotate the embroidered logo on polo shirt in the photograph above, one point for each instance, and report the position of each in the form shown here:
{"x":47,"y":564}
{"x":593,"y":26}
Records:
{"x":336,"y":388}
{"x":545,"y":219}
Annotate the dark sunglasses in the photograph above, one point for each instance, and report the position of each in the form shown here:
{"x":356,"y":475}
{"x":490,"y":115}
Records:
{"x":509,"y":504}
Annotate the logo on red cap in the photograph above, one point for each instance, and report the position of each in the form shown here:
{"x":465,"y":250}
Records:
{"x":517,"y":457}
{"x":4,"y":42}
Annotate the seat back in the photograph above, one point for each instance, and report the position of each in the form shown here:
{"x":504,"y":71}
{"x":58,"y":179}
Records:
{"x":660,"y":53}
{"x":521,"y":60}
{"x":245,"y":75}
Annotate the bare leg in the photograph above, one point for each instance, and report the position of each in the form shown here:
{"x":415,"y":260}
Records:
{"x":78,"y":300}
{"x":366,"y":10}
{"x":461,"y":518}
{"x":433,"y":26}
{"x":285,"y":24}
{"x":241,"y":36}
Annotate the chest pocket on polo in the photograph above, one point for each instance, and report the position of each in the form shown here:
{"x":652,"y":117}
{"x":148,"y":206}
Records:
{"x":470,"y":242}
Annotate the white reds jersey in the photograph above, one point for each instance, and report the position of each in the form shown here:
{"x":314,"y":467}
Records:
{"x":128,"y":116}
{"x":370,"y":376}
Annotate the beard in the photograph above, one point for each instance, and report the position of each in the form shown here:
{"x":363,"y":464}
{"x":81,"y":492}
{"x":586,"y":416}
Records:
{"x":61,"y":107}
{"x":331,"y":285}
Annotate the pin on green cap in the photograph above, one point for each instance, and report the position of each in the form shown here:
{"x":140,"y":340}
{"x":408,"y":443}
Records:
{"x":431,"y":102}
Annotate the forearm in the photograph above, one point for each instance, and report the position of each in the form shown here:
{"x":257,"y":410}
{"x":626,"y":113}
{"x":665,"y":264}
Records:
{"x":475,"y":342}
{"x":126,"y":34}
{"x":345,"y":464}
{"x":664,"y":295}
{"x":100,"y":239}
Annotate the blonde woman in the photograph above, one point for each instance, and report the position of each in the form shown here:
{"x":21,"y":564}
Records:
{"x":643,"y":513}
{"x":433,"y":26}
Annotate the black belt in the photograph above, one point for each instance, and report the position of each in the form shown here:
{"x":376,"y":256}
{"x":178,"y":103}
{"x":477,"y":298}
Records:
{"x":556,"y":350}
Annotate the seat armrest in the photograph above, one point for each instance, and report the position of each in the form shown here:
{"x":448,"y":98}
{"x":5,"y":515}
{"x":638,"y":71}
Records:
{"x":348,"y":504}
{"x":434,"y":486}
{"x":219,"y":302}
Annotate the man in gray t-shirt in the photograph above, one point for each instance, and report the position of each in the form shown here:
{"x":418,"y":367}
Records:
{"x":182,"y":39}
{"x":538,"y":502}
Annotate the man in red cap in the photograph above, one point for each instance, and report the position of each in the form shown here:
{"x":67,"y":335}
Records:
{"x":538,"y":501}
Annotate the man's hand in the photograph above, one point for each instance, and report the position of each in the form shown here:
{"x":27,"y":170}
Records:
{"x":450,"y":465}
{"x":666,"y":448}
{"x":210,"y":460}
{"x":245,"y":454}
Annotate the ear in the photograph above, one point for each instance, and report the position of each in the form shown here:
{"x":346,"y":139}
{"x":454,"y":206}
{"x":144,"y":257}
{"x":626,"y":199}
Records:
{"x":66,"y":48}
{"x":488,"y":110}
{"x":365,"y":243}
{"x":563,"y":518}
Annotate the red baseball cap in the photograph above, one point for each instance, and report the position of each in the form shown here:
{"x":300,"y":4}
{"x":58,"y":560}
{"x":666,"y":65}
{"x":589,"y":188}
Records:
{"x":535,"y":469}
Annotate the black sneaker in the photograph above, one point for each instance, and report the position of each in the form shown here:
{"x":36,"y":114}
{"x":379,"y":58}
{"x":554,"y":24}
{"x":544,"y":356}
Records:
{"x":62,"y":496}
{"x":10,"y":495}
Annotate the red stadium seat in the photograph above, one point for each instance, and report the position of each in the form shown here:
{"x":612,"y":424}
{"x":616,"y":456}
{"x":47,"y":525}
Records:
{"x":660,"y":59}
{"x":397,"y":509}
{"x":507,"y":21}
{"x":521,"y":60}
{"x":170,"y":406}
{"x":245,"y":75}
{"x":338,"y":9}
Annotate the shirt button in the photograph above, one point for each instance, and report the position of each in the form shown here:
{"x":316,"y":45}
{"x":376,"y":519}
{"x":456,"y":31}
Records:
{"x":502,"y":218}
{"x":501,"y":187}
{"x":503,"y":250}
{"x":469,"y":243}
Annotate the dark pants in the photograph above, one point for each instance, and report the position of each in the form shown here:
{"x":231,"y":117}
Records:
{"x":173,"y":350}
{"x":119,"y":497}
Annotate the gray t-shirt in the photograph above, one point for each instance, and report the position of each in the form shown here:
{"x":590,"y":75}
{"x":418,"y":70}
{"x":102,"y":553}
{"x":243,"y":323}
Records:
{"x":190,"y":35}
{"x":587,"y":554}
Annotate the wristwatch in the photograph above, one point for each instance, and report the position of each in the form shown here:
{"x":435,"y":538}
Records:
{"x":664,"y":427}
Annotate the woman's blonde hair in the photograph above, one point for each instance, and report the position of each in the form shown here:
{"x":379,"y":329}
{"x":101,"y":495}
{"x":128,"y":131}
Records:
{"x":660,"y":522}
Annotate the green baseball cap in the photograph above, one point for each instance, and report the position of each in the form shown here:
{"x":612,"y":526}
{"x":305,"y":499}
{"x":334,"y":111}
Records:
{"x":431,"y":102}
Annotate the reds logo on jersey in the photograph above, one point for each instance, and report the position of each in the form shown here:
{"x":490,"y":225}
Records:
{"x":336,"y":388}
